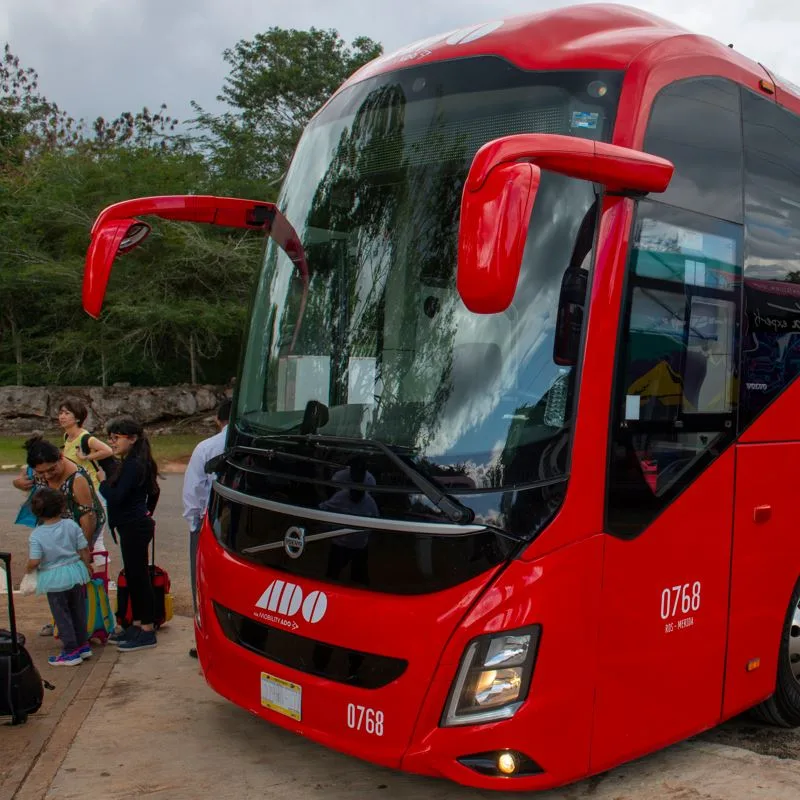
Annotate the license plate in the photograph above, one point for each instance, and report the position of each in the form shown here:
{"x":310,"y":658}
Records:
{"x":282,"y":696}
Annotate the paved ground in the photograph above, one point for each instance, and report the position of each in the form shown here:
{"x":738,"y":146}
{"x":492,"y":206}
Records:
{"x":124,"y":726}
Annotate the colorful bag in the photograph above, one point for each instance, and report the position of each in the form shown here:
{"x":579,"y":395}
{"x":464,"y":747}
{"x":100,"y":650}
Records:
{"x":100,"y":620}
{"x":26,"y":516}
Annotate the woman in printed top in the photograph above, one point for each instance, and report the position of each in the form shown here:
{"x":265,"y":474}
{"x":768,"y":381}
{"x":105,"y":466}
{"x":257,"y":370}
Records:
{"x":72,"y":414}
{"x":59,"y":551}
{"x":52,"y":470}
{"x":132,"y":494}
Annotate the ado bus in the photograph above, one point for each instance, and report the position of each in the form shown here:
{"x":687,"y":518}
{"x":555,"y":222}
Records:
{"x":507,"y":496}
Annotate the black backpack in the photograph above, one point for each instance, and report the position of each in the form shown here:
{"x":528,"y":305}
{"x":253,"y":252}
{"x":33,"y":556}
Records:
{"x":21,"y":686}
{"x":109,"y":465}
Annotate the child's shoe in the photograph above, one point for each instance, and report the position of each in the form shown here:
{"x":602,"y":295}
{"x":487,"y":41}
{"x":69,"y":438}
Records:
{"x":85,"y":652}
{"x":65,"y":659}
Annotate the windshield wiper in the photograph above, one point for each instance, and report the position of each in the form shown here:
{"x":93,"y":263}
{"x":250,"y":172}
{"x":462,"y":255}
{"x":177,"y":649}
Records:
{"x":451,"y":508}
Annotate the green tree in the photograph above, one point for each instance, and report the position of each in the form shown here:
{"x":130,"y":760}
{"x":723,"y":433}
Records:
{"x":278,"y":80}
{"x":176,"y":307}
{"x":29,"y":122}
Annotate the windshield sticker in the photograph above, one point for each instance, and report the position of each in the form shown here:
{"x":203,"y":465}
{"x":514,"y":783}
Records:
{"x":585,"y":119}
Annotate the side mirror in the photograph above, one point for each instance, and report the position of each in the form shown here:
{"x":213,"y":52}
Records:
{"x":115,"y":237}
{"x":116,"y":231}
{"x":492,"y":232}
{"x":500,"y":192}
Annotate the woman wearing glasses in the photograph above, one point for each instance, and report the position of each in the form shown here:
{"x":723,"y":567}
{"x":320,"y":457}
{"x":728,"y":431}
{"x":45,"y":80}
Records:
{"x":132,"y":494}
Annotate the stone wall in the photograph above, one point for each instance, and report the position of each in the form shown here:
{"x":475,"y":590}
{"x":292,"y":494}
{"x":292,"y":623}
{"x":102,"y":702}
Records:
{"x":163,"y":409}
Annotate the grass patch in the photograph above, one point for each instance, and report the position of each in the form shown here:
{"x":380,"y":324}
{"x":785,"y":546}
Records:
{"x":171,"y":447}
{"x":174,"y":446}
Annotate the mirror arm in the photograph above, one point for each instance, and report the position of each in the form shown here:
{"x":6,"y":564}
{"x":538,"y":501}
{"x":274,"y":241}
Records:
{"x":585,"y":159}
{"x":231,"y":212}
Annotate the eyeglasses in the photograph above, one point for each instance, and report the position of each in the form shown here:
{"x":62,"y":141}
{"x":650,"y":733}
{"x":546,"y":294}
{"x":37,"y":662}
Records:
{"x":115,"y":437}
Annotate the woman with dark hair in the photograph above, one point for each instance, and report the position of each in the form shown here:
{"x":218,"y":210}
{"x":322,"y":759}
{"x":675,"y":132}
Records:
{"x":51,"y":469}
{"x":132,"y":494}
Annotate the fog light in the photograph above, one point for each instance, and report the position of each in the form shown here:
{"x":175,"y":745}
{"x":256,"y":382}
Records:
{"x":507,"y":764}
{"x":501,"y":764}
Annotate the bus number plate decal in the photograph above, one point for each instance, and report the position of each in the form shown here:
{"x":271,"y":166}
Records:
{"x":678,"y":604}
{"x":361,"y":718}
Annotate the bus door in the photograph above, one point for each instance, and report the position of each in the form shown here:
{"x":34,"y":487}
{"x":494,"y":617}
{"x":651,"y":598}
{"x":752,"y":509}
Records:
{"x":669,"y":512}
{"x":766,"y":553}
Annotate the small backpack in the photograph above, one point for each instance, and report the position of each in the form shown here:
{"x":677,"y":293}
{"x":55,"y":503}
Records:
{"x":109,"y":465}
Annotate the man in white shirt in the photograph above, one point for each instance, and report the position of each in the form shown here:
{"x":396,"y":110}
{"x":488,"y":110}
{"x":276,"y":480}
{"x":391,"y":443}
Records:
{"x":197,"y":489}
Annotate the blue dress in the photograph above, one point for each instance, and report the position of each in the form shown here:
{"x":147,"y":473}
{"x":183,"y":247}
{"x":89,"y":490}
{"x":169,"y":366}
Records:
{"x":56,"y":546}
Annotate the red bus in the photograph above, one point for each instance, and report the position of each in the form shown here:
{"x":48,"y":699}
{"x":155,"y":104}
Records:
{"x":507,"y":491}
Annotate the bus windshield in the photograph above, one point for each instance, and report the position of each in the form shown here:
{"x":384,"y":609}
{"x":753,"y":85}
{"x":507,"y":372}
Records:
{"x":375,"y":329}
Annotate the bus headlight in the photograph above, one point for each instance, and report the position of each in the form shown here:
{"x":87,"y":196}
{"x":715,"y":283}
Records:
{"x":493,"y":678}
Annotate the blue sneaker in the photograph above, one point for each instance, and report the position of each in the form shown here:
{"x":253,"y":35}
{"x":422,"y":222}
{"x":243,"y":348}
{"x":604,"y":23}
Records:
{"x":143,"y":641}
{"x":65,"y":659}
{"x":84,"y":652}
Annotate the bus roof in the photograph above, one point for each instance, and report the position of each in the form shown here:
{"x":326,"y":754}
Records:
{"x":593,"y":36}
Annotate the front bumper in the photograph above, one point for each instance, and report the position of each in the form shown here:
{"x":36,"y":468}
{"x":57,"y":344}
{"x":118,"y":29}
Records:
{"x":552,"y":727}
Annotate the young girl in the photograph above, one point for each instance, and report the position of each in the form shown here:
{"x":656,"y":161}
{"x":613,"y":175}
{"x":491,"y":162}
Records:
{"x":59,"y":550}
{"x":132,"y":494}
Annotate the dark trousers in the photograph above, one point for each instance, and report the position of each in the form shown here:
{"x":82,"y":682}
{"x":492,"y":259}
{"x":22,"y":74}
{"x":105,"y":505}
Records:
{"x":69,"y":614}
{"x":134,"y":542}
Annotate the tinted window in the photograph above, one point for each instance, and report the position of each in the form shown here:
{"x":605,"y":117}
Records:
{"x":676,"y":394}
{"x":771,"y":341}
{"x":696,"y":125}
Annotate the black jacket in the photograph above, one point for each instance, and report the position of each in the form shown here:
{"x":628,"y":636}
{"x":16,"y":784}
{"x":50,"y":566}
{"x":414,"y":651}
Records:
{"x":130,"y":498}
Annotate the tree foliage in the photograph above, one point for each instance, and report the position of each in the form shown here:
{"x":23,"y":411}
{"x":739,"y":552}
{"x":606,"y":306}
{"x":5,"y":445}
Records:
{"x":176,"y":307}
{"x":277,"y":82}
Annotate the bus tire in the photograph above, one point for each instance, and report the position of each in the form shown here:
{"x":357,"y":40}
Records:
{"x":783,"y":708}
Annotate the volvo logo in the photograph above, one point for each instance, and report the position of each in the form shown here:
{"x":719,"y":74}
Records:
{"x":294,"y":541}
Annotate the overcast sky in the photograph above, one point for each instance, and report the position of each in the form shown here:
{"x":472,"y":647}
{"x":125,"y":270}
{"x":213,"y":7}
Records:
{"x":101,"y":57}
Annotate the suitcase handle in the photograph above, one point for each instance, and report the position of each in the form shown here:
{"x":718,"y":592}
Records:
{"x":102,"y":554}
{"x":6,"y":557}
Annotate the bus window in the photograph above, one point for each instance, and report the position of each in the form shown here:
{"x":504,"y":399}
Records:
{"x":696,"y":124}
{"x":677,"y":392}
{"x":771,"y":335}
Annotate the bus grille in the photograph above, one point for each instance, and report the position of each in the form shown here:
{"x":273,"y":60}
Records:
{"x":352,"y":667}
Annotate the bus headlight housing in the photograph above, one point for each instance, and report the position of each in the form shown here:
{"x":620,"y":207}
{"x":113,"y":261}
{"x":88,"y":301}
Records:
{"x":493,"y":678}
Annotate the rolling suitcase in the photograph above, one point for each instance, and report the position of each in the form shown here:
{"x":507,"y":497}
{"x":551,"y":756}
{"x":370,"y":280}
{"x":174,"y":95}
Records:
{"x":21,"y":687}
{"x":161,"y":590}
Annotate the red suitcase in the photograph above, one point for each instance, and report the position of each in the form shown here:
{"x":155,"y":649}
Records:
{"x":161,"y":589}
